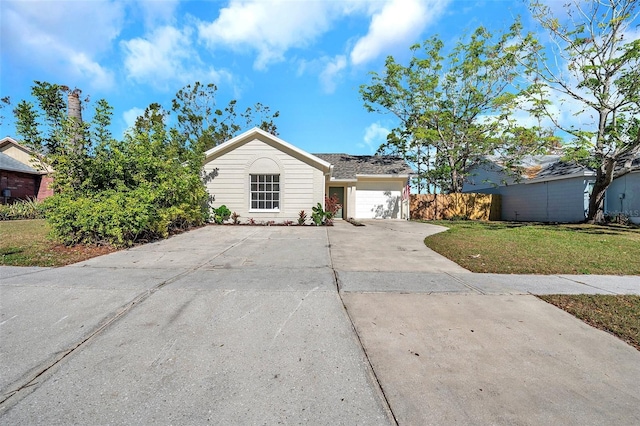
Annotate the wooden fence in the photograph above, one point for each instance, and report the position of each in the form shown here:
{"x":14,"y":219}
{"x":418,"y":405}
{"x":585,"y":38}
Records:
{"x":450,"y":206}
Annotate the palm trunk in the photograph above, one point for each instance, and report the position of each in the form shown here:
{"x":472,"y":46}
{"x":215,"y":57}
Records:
{"x":74,"y":110}
{"x":76,"y":137}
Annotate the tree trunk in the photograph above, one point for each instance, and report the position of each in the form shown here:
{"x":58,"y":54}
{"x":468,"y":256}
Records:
{"x":596,"y":204}
{"x":604,"y":177}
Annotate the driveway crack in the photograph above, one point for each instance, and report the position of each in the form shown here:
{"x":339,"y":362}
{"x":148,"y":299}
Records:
{"x":372,"y":371}
{"x":11,"y":397}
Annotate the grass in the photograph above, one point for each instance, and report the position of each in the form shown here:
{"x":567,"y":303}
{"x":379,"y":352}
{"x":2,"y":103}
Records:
{"x":618,"y":315}
{"x":25,"y":243}
{"x":520,"y":248}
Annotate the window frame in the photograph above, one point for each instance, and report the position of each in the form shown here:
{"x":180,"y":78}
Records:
{"x":268,"y":192}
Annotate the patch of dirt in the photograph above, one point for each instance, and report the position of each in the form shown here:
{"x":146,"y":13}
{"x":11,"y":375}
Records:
{"x":78,"y":253}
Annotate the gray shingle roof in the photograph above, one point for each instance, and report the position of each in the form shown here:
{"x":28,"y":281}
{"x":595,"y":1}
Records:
{"x":347,"y":166}
{"x":552,"y":166}
{"x":10,"y":163}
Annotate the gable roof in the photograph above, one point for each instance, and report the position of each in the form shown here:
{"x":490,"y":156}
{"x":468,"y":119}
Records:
{"x":10,"y":141}
{"x":546,"y":167}
{"x":347,"y":166}
{"x":33,"y":158}
{"x":11,"y":164}
{"x":271,"y":140}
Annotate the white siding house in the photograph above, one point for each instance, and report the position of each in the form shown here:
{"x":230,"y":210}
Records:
{"x":259,"y":176}
{"x":369,"y":186}
{"x":262,"y":177}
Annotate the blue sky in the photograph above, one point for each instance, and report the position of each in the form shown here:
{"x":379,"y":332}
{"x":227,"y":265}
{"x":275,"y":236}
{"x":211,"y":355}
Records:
{"x":305,"y":59}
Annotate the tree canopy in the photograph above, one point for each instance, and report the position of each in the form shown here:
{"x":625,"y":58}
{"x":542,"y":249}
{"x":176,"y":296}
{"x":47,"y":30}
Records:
{"x":205,"y":126}
{"x":592,"y":62}
{"x":454,"y":106}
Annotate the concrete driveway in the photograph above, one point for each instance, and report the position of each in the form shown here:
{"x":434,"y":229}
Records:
{"x":226,"y":325}
{"x":244,"y":325}
{"x":451,"y":347}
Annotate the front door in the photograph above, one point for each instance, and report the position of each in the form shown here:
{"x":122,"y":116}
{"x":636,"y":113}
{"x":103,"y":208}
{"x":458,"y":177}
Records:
{"x":339,"y":192}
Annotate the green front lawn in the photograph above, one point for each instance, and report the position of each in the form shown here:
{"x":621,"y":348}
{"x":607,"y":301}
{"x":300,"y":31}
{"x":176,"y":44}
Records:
{"x":520,"y":248}
{"x":25,"y":243}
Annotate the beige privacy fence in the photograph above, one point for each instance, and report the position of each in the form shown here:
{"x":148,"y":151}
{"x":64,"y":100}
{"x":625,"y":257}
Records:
{"x":455,"y":206}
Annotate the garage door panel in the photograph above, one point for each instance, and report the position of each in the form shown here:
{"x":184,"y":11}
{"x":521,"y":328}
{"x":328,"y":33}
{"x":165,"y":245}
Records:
{"x":377,"y":204}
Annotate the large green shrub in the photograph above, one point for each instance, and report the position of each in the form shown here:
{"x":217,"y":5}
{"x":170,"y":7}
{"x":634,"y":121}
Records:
{"x":114,"y":217}
{"x":143,"y":187}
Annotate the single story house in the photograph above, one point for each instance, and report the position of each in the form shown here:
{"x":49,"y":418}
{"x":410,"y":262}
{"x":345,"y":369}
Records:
{"x":260,"y":176}
{"x":20,"y":175}
{"x":551,"y":190}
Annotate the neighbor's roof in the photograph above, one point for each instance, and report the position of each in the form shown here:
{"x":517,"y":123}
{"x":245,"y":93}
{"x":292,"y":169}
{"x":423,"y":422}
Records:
{"x":347,"y":166}
{"x":551,"y":167}
{"x":11,"y":164}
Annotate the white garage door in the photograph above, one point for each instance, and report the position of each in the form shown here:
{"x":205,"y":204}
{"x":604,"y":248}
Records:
{"x":378,"y":200}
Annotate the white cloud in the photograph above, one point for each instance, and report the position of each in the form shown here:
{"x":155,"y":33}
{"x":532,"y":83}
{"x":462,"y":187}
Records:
{"x":130,"y":116}
{"x":167,"y":55}
{"x":99,"y":77}
{"x":157,"y":12}
{"x":158,"y":56}
{"x":399,"y":22}
{"x":374,"y":136}
{"x":268,"y":27}
{"x":66,"y":38}
{"x":332,"y":72}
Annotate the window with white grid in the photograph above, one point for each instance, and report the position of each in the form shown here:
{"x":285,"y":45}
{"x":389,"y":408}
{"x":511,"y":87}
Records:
{"x":265,"y":192}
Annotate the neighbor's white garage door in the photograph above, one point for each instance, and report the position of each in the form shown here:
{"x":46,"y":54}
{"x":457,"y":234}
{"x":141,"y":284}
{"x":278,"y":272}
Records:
{"x":378,"y":200}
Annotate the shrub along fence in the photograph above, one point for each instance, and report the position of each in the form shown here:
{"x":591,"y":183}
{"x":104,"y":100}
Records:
{"x":455,"y":206}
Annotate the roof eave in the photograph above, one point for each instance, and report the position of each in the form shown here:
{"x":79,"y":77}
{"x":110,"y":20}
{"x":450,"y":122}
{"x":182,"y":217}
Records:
{"x":585,"y":173}
{"x":343,"y":180}
{"x":26,"y":172}
{"x":383,"y":176}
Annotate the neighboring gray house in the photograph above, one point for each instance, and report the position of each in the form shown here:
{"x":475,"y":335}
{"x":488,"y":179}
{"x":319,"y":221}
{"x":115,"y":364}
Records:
{"x":259,"y":176}
{"x":550,"y":190}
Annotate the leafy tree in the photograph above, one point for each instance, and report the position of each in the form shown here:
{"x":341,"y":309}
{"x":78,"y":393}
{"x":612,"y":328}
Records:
{"x":143,"y":186}
{"x":5,"y":102}
{"x":117,"y":191}
{"x":453,"y":108}
{"x":204,"y":125}
{"x":45,"y":128}
{"x":595,"y":64}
